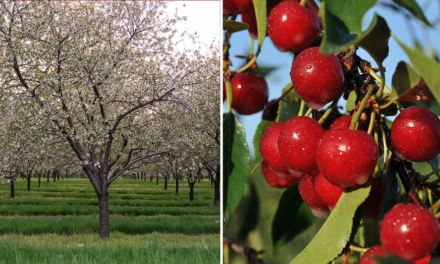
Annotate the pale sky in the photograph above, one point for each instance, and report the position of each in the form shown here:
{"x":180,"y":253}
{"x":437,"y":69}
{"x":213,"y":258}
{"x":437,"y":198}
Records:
{"x":202,"y":16}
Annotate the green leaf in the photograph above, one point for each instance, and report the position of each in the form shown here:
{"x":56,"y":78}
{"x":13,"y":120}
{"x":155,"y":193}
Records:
{"x":293,"y":216}
{"x":261,"y":16}
{"x":334,"y":234}
{"x":375,"y":38}
{"x":235,"y":162}
{"x":234,"y":26}
{"x":340,"y":32}
{"x":434,"y":164}
{"x":426,"y":68}
{"x":389,"y":190}
{"x":289,"y":105}
{"x":408,"y":85}
{"x":351,"y":102}
{"x":350,"y":12}
{"x":250,"y":214}
{"x":257,"y":137}
{"x":414,"y":8}
{"x":264,"y":71}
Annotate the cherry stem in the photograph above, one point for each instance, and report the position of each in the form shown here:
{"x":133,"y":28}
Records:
{"x":279,"y":98}
{"x":375,"y":76}
{"x":303,"y":2}
{"x":376,"y":138}
{"x":331,"y":107}
{"x":382,"y":74}
{"x":433,"y":183}
{"x":361,"y":107}
{"x":308,"y":112}
{"x":358,"y":249}
{"x":251,"y":49}
{"x":424,"y":177}
{"x":407,"y":184}
{"x":301,"y":108}
{"x":352,"y":50}
{"x":385,"y":147}
{"x":249,"y":64}
{"x":229,"y":94}
{"x":434,"y":206}
{"x":371,"y":125}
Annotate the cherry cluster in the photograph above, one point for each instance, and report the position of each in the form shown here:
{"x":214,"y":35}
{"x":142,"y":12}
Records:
{"x":328,"y":159}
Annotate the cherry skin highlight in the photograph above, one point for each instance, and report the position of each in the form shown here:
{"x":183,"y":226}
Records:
{"x":237,"y":6}
{"x":346,"y":157}
{"x":373,"y":252}
{"x":415,"y":134}
{"x":328,"y":192}
{"x":250,"y":93}
{"x":317,"y":79}
{"x":291,"y":26}
{"x":308,"y":193}
{"x":425,"y":260}
{"x":275,"y":181}
{"x":297,"y":144}
{"x":409,"y":231}
{"x":269,"y":149}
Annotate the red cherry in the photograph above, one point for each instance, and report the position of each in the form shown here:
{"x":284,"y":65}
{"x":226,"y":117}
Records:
{"x":297,"y":144}
{"x":344,"y":122}
{"x":346,"y":157}
{"x":273,"y":180}
{"x":331,"y":118}
{"x":425,"y":260}
{"x":317,"y":79}
{"x":328,"y":192}
{"x":373,"y":252}
{"x":269,"y":148}
{"x":250,"y":93}
{"x":310,"y":196}
{"x":292,"y":27}
{"x":409,"y":231}
{"x":272,"y":113}
{"x":237,"y":6}
{"x":251,"y":20}
{"x":415,"y":134}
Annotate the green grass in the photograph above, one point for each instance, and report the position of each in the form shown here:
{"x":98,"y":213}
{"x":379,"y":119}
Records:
{"x":118,"y":223}
{"x":114,"y":202}
{"x":153,"y":248}
{"x":147,"y":224}
{"x":89,"y":210}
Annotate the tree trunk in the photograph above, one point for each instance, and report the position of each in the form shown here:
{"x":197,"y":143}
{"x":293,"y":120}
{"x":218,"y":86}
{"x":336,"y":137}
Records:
{"x":166,"y":182}
{"x":48,"y":176}
{"x":217,"y":192}
{"x":200,"y":176}
{"x":177,"y":184}
{"x":211,"y":181}
{"x":54,"y":176}
{"x":28,"y":183}
{"x":12,"y":190}
{"x":157,"y":179}
{"x":191,"y":189}
{"x":104,"y":216}
{"x":39,"y":179}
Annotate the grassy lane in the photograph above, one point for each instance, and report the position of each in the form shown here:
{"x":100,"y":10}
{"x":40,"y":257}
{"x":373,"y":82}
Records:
{"x":127,"y":225}
{"x":58,"y":223}
{"x":120,"y":248}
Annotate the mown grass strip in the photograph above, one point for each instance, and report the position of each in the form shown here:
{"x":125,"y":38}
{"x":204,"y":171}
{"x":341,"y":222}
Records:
{"x":82,"y":202}
{"x":165,"y":196}
{"x":89,"y":210}
{"x":156,"y":251}
{"x":123,"y":224}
